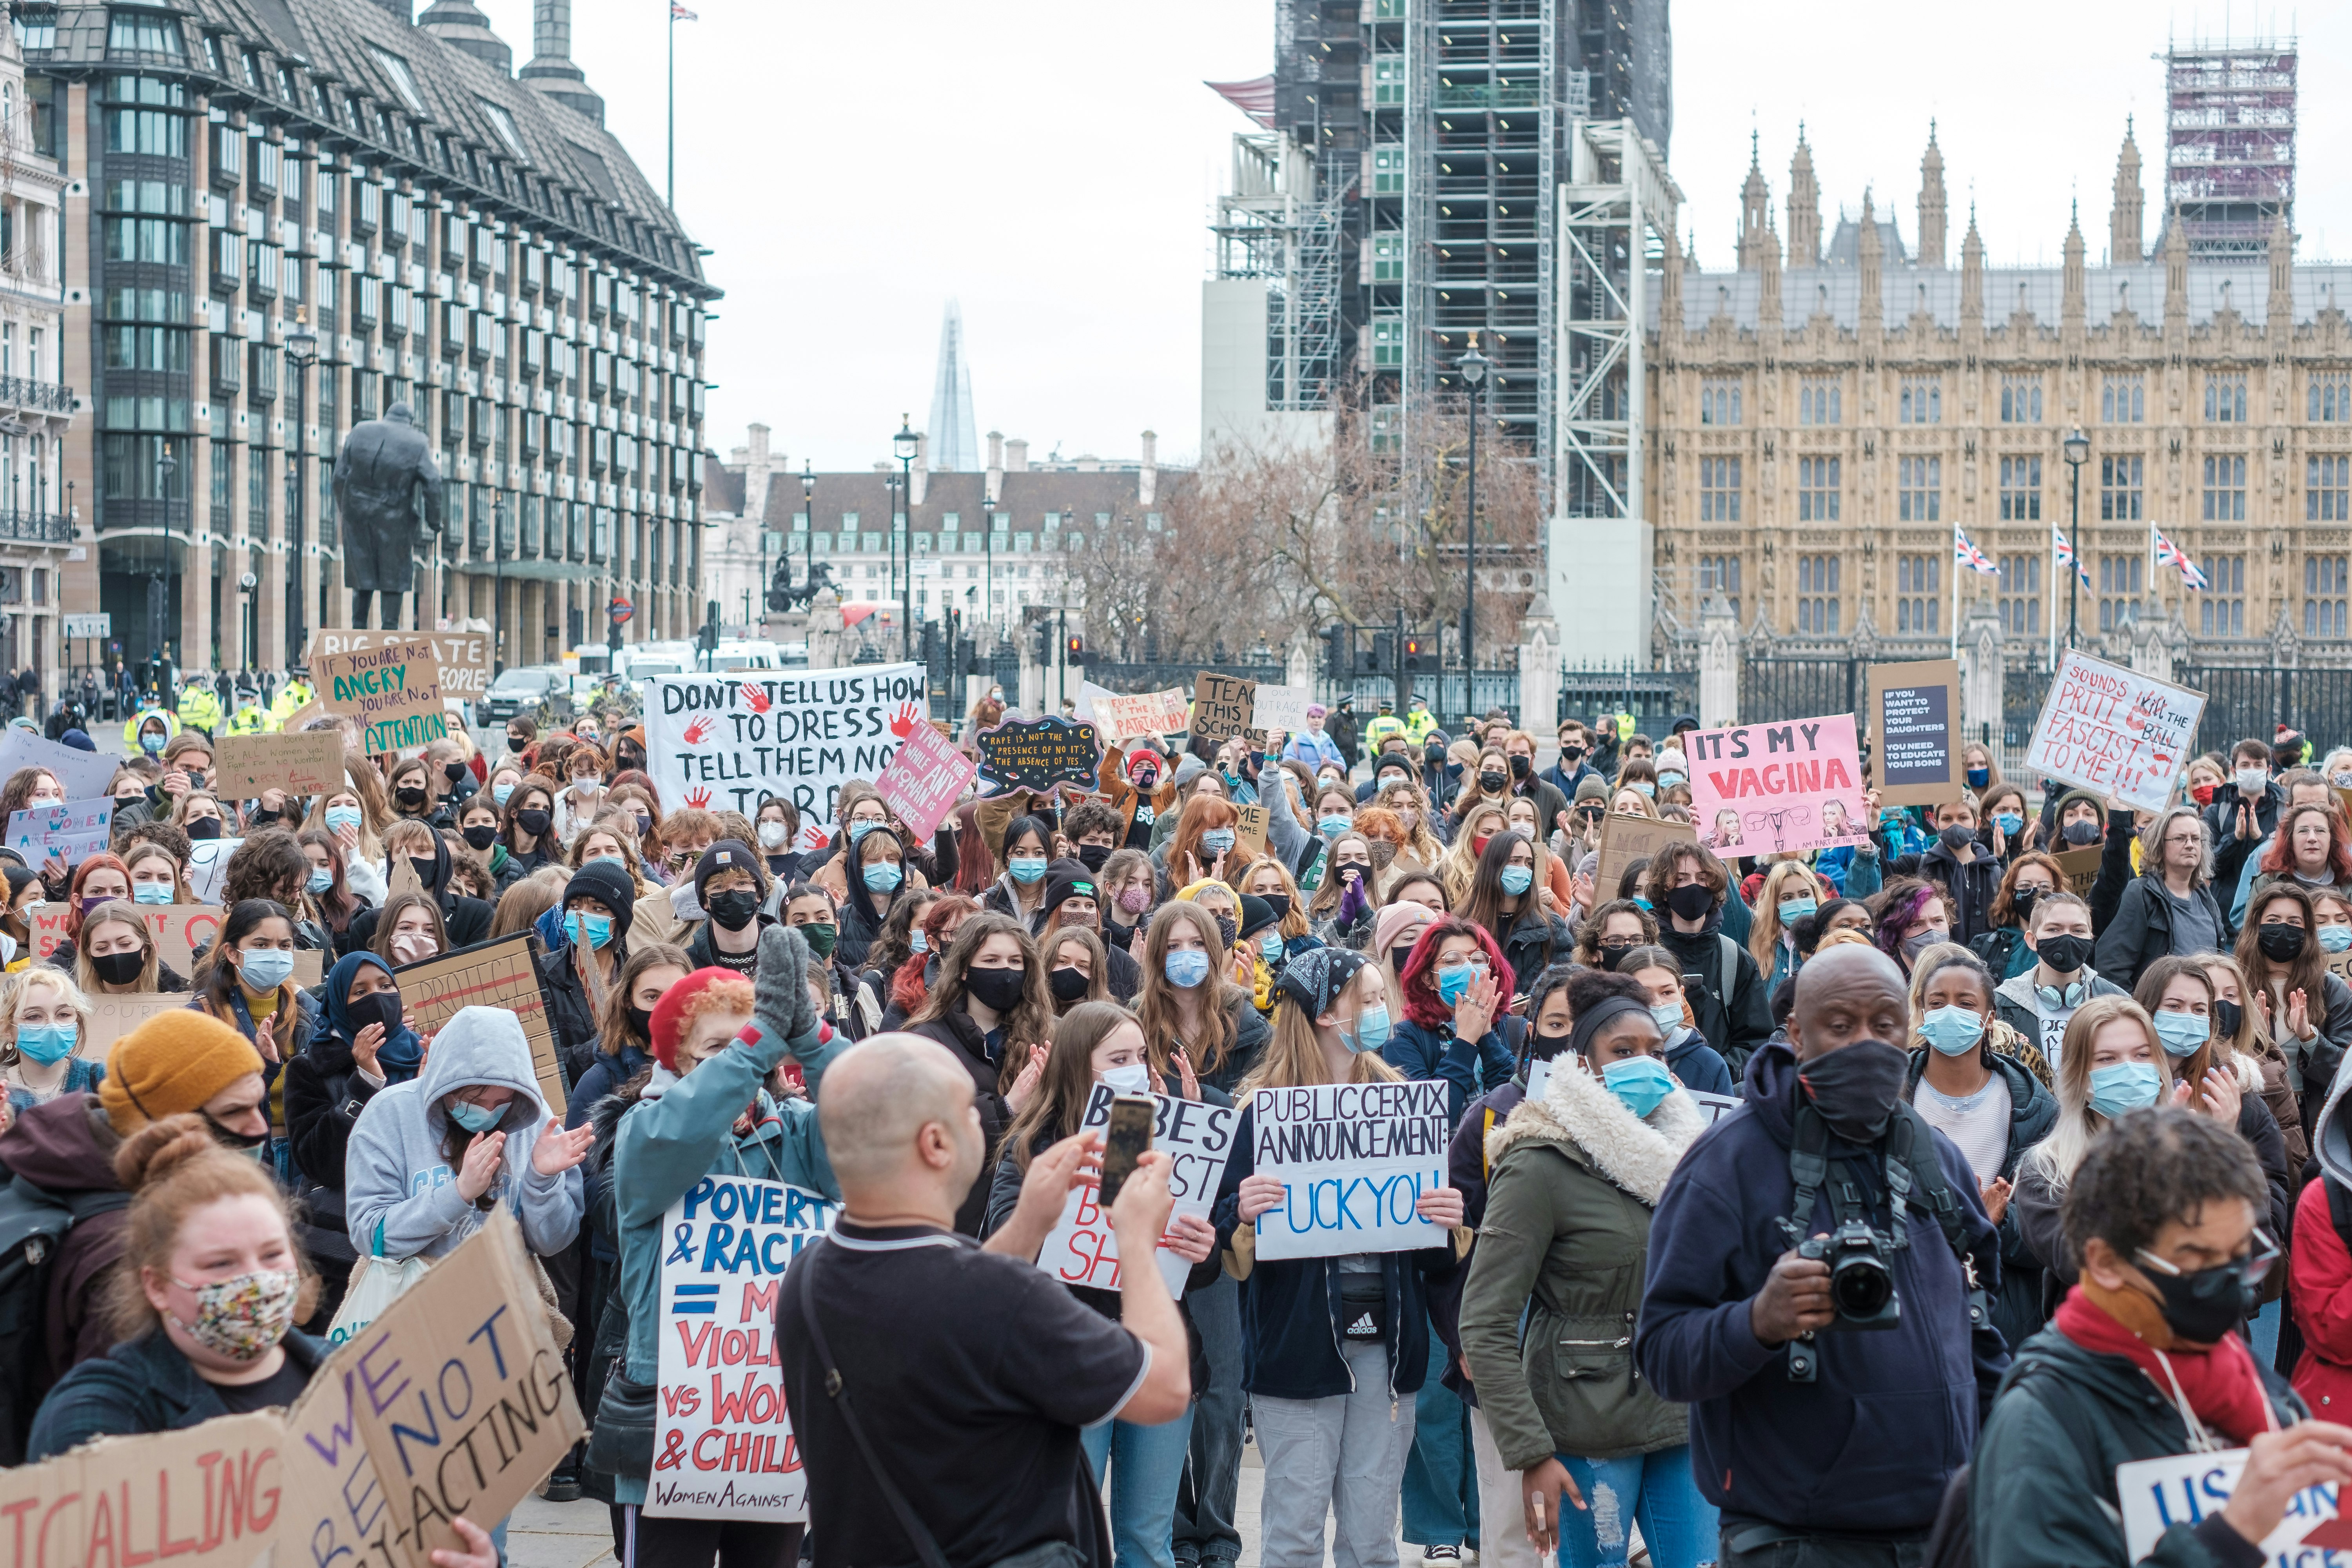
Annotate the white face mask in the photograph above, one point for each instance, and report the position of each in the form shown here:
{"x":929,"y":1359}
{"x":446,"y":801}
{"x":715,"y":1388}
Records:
{"x":1133,"y":1079}
{"x":2252,"y":781}
{"x":771,"y":835}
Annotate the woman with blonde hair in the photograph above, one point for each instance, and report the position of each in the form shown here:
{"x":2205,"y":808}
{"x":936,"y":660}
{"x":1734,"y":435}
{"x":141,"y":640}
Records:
{"x":1790,"y":892}
{"x":1480,"y":823}
{"x":1267,"y":877}
{"x":1411,"y":804}
{"x":44,"y":1017}
{"x":1631,"y":802}
{"x":1347,"y":898}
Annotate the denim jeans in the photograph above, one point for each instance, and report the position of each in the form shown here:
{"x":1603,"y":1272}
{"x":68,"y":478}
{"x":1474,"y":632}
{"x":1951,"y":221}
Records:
{"x":1655,"y":1490}
{"x":1205,"y":1532}
{"x":1441,"y":1481}
{"x":1146,"y":1463}
{"x":2264,"y":1327}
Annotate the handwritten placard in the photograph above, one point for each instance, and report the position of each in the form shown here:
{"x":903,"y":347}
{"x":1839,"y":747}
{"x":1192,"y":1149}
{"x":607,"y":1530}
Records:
{"x":1627,"y":838}
{"x":924,"y":780}
{"x":1224,"y":706}
{"x":2081,"y":866}
{"x":1197,"y":1138}
{"x":2116,"y":731}
{"x":112,"y":1016}
{"x":1353,"y":1160}
{"x":83,"y":775}
{"x":716,"y":743}
{"x":1038,"y":754}
{"x":491,"y":974}
{"x":1760,"y":789}
{"x":307,"y":761}
{"x":394,"y":690}
{"x":1249,"y":833}
{"x":461,"y":659}
{"x":72,"y":832}
{"x":1121,"y":718}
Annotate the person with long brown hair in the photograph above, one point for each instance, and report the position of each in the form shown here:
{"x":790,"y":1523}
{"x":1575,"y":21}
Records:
{"x":2312,"y":847}
{"x":2304,"y":1006}
{"x":992,"y":1007}
{"x":118,"y":955}
{"x":1077,"y":968}
{"x":1505,"y":899}
{"x":1200,"y":1025}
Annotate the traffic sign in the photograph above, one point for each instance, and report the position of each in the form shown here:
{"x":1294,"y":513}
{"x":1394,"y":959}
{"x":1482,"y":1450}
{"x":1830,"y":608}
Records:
{"x":100,"y":625}
{"x":620,"y":610}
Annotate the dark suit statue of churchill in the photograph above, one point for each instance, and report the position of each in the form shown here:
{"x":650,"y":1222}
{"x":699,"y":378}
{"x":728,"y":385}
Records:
{"x":383,"y":473}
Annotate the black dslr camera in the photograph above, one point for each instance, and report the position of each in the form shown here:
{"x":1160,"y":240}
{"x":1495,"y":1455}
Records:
{"x":1861,"y":1285}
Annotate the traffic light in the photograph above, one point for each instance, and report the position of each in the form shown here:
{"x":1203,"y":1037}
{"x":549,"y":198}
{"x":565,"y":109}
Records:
{"x":1073,"y":651}
{"x":1419,"y":656}
{"x":1044,"y":636}
{"x":1337,"y":644}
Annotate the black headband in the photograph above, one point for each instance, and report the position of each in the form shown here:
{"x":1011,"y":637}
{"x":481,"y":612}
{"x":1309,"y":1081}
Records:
{"x":1589,"y":1022}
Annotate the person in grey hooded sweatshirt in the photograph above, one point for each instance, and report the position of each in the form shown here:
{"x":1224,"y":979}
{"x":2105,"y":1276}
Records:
{"x":430,"y":1159}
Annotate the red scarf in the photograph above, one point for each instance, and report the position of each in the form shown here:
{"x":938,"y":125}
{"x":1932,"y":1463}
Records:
{"x":2220,"y":1380}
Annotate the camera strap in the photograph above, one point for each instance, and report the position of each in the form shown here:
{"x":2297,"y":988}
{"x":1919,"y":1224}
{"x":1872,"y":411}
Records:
{"x":1908,"y":1165}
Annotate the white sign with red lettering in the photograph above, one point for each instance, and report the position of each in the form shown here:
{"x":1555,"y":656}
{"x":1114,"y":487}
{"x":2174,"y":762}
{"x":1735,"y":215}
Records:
{"x":725,"y":743}
{"x":2114,"y":731}
{"x":1197,"y":1138}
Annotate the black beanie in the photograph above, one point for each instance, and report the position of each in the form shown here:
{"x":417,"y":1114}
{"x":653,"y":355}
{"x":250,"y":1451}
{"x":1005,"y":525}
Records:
{"x":726,"y":854}
{"x":1256,"y":915}
{"x":609,"y":885}
{"x":1067,"y":879}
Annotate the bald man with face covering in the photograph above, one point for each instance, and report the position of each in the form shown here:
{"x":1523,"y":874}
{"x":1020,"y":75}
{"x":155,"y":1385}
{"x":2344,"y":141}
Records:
{"x":1843,"y":1464}
{"x":969,"y":1369}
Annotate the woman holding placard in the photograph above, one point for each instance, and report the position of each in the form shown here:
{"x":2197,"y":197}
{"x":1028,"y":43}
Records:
{"x":1334,"y":1349}
{"x":42,"y":1017}
{"x":1101,"y":1043}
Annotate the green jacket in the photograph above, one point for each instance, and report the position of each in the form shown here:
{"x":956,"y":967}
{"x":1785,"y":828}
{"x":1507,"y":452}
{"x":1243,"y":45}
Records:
{"x":1566,"y":1240}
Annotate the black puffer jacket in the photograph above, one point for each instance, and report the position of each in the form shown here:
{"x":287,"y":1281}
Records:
{"x":325,"y":1093}
{"x":570,"y":1014}
{"x":466,"y":920}
{"x":961,"y":1035}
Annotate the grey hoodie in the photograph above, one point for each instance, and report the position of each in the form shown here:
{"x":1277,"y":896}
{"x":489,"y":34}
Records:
{"x":396,"y":1174}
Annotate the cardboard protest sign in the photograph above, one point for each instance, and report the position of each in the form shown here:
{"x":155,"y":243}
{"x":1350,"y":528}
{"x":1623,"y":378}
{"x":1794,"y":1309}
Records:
{"x":1282,"y":708}
{"x":209,"y":1496}
{"x":394,"y":690}
{"x":48,"y":925}
{"x":1197,"y":1138}
{"x":1760,"y":788}
{"x":72,"y":831}
{"x":720,"y":743}
{"x":113,"y":1016}
{"x":1914,"y":727}
{"x":82,"y":774}
{"x":2339,"y":964}
{"x":2081,"y":866}
{"x":207,"y":864}
{"x":1625,"y":839}
{"x":1353,"y":1160}
{"x":1224,"y":706}
{"x":1038,"y":754}
{"x":924,"y":780}
{"x":462,"y":659}
{"x":2184,"y":1488}
{"x":1249,"y":833}
{"x":2114,"y":731}
{"x":180,"y":929}
{"x":1121,"y":718}
{"x":723,"y":1443}
{"x":1713,"y":1107}
{"x":310,"y":761}
{"x":492,"y":975}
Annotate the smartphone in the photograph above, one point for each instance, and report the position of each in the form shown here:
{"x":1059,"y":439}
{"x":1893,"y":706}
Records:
{"x":1124,"y":1142}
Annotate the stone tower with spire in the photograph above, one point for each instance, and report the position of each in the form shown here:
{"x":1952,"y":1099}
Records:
{"x":1804,"y":207}
{"x":1931,"y":202}
{"x":2125,"y":224}
{"x":550,"y":68}
{"x":1755,"y":211}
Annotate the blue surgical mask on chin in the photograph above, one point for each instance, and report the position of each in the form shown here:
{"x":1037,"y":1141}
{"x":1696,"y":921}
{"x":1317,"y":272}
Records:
{"x":474,"y":1117}
{"x":1371,"y":1032}
{"x":1640,"y":1082}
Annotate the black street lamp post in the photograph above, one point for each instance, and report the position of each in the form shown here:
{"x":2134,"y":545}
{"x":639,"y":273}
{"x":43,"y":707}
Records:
{"x":2076,"y":450}
{"x":1473,"y":366}
{"x":902,"y":447}
{"x":301,"y":353}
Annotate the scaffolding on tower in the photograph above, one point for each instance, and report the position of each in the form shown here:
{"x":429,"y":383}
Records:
{"x":2230,"y":144}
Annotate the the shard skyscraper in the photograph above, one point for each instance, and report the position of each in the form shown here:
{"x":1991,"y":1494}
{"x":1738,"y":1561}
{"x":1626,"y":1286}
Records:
{"x":954,"y":443}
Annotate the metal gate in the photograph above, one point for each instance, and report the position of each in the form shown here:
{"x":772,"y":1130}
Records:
{"x":1133,"y":679}
{"x":2248,"y":702}
{"x":1656,"y":698}
{"x":1443,"y":690}
{"x":1774,"y":690}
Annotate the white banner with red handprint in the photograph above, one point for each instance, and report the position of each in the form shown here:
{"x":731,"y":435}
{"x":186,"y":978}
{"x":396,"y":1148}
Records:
{"x":2114,"y":731}
{"x":726,"y":744}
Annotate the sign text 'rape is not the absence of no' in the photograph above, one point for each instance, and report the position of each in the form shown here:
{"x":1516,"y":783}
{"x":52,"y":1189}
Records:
{"x":717,"y":744}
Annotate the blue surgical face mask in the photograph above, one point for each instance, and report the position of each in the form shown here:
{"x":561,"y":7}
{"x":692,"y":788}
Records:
{"x":46,"y":1042}
{"x":1517,"y":879}
{"x":2182,"y":1033}
{"x":1640,"y":1081}
{"x":2335,"y":939}
{"x":1333,"y":827}
{"x":152,"y":892}
{"x":1979,"y":777}
{"x":916,"y":941}
{"x":1454,"y":984}
{"x":1669,"y":1016}
{"x":474,"y":1117}
{"x":265,"y":968}
{"x":590,"y":931}
{"x":1026,"y":868}
{"x":322,"y":880}
{"x":499,"y":792}
{"x":1217,"y":840}
{"x":2124,"y":1086}
{"x":1646,"y":787}
{"x":1668,"y":780}
{"x":2008,"y":822}
{"x":1269,"y":947}
{"x":341,"y":817}
{"x":619,"y":860}
{"x":152,"y":741}
{"x":1794,"y":910}
{"x":1372,"y":1030}
{"x":883,"y":876}
{"x":1187,"y":967}
{"x":861,"y":828}
{"x":1954,"y":1031}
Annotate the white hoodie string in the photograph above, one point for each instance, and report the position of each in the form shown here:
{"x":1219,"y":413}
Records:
{"x":2199,"y":1440}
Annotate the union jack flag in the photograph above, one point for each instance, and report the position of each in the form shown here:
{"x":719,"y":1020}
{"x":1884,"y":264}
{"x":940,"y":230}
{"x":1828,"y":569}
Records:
{"x":679,"y":12}
{"x":1967,"y":554}
{"x":2169,"y":554}
{"x":2066,"y":554}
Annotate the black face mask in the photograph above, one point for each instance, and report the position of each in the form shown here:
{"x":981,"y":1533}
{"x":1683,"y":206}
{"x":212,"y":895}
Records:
{"x":1092,"y":855}
{"x":2022,"y":898}
{"x":118,"y":968}
{"x":641,"y":1019}
{"x":228,"y":1140}
{"x":1068,"y":984}
{"x":411,"y":797}
{"x":423,"y":870}
{"x":2227,"y":1016}
{"x":1279,"y":903}
{"x":1398,"y":955}
{"x":532,"y":822}
{"x":375,"y":1007}
{"x":1855,"y":1088}
{"x":2204,"y":1304}
{"x":1957,"y":838}
{"x":1491,"y":781}
{"x":2281,"y":944}
{"x":453,"y":772}
{"x":1613,"y":953}
{"x":1546,"y":1048}
{"x":1360,"y":867}
{"x":2082,"y":833}
{"x":517,"y":744}
{"x":1227,"y":929}
{"x":1521,"y":767}
{"x":1435,"y":754}
{"x":202,"y":828}
{"x":734,"y":908}
{"x":1571,"y":755}
{"x":481,"y":836}
{"x":1691,"y":901}
{"x":998,"y":989}
{"x":2065,"y":954}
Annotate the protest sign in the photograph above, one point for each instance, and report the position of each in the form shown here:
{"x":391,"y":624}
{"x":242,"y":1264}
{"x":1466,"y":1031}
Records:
{"x":208,"y":863}
{"x":1625,"y":839}
{"x":1223,"y":706}
{"x":209,"y":1496}
{"x":2184,"y":1488}
{"x":719,"y":744}
{"x":83,"y":775}
{"x":46,"y":923}
{"x":73,"y":831}
{"x":180,"y":929}
{"x":1282,"y":708}
{"x":392,"y":691}
{"x":1038,"y":754}
{"x":2114,"y":731}
{"x":1121,"y":718}
{"x":306,"y":763}
{"x":1758,"y":789}
{"x":723,"y":1444}
{"x":1249,"y":833}
{"x":1197,"y":1138}
{"x":492,"y":975}
{"x":1353,"y":1160}
{"x":2081,"y":868}
{"x":1914,"y":730}
{"x":1713,"y":1107}
{"x":113,"y":1016}
{"x":462,"y":659}
{"x":2339,"y":964}
{"x":922,"y":782}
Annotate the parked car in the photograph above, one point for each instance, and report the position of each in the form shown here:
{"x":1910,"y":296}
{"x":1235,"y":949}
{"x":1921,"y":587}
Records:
{"x":522,"y":690}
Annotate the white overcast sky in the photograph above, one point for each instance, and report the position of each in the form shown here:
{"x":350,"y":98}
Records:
{"x":1053,"y":165}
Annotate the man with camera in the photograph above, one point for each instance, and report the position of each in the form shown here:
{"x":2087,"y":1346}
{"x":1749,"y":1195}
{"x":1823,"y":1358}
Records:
{"x":1810,"y":1292}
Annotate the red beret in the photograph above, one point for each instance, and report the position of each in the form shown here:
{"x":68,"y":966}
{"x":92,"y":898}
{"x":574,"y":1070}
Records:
{"x":669,"y":1013}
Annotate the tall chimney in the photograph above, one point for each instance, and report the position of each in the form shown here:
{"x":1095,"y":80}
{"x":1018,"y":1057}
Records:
{"x":1147,"y":485}
{"x":920,"y":480}
{"x":551,"y":69}
{"x":1016,"y":457}
{"x":760,"y":443}
{"x":994,"y":486}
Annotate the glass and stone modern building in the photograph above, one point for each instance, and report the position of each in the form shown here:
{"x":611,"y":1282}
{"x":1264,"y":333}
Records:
{"x":280,"y":218}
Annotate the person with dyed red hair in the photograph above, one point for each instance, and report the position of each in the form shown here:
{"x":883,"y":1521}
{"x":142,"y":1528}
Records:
{"x":1456,"y":1026}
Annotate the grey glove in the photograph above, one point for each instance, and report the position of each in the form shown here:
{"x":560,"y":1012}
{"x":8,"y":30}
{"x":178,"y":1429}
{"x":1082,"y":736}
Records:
{"x":781,"y":1002}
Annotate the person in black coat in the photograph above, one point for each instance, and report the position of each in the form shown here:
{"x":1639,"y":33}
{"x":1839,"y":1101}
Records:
{"x":363,"y":1044}
{"x":2168,"y":909}
{"x":1968,"y":869}
{"x":467,"y":921}
{"x":599,"y":896}
{"x":1688,"y":887}
{"x":2245,"y":811}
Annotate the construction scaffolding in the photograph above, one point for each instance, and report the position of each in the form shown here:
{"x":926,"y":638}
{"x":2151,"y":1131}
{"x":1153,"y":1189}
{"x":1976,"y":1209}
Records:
{"x":2230,"y":144}
{"x":1271,"y":228}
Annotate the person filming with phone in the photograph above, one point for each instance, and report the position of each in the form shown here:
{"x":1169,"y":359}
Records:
{"x":939,"y":1388}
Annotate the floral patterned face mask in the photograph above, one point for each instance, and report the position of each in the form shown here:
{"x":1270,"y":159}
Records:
{"x":242,"y":1316}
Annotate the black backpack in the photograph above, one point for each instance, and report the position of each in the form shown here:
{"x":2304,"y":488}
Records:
{"x":1951,"y":1543}
{"x":32,"y":1225}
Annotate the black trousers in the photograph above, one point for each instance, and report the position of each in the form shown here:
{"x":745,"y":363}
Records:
{"x":698,"y":1542}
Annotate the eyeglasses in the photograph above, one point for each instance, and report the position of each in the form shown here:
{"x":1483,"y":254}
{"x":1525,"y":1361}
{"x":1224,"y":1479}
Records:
{"x":2251,"y":1269}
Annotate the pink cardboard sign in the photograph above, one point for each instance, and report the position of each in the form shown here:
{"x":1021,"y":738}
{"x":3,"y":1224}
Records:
{"x":922,"y":782}
{"x":1759,"y":788}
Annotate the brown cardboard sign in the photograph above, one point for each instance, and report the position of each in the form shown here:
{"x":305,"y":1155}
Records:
{"x":1249,"y":833}
{"x":463,"y":658}
{"x":309,"y":762}
{"x":1916,"y":738}
{"x":113,"y":1016}
{"x":2081,"y":866}
{"x":1627,"y":838}
{"x":1224,"y":706}
{"x":394,"y":691}
{"x":494,"y":974}
{"x":1121,"y":717}
{"x":209,"y":1496}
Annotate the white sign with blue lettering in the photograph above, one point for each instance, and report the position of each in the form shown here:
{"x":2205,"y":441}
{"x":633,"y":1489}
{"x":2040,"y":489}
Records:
{"x":1353,"y":1160}
{"x":723,"y":1446}
{"x":2187,"y":1489}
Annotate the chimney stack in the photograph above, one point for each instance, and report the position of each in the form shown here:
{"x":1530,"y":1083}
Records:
{"x":1147,"y":485}
{"x":920,"y":480}
{"x":994,"y":486}
{"x":1016,"y":457}
{"x":551,"y":69}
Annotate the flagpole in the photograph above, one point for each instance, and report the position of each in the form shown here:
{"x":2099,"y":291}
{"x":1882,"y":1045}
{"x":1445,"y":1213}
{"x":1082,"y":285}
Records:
{"x":669,"y":194}
{"x":2053,"y":548}
{"x":2154,"y":598}
{"x":1956,"y":591}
